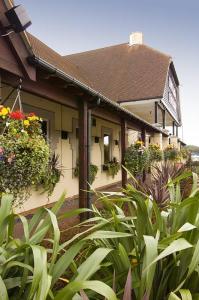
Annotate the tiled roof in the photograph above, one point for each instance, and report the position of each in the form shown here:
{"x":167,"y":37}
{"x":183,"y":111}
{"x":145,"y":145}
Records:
{"x":41,"y":50}
{"x":120,"y":72}
{"x":124,"y":72}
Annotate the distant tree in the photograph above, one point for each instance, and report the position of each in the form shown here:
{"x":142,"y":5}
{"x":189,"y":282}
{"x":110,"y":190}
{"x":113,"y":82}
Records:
{"x":192,"y":148}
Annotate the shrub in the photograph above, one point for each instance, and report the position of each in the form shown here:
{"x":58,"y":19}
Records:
{"x":29,"y":270}
{"x":156,"y":184}
{"x":136,"y":158}
{"x":161,"y":253}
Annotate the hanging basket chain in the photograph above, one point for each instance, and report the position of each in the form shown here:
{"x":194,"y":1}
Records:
{"x":17,"y":100}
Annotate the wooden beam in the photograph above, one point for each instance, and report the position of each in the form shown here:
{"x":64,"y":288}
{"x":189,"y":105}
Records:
{"x":156,"y":112}
{"x":124,"y":144}
{"x":42,"y":89}
{"x":164,"y":119}
{"x":143,"y":138}
{"x":173,"y":128}
{"x":83,"y":155}
{"x":0,"y":88}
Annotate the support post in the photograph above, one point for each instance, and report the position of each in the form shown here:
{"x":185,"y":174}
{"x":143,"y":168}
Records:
{"x":83,"y":155}
{"x":0,"y":88}
{"x":164,"y":119}
{"x":143,"y":138}
{"x":177,"y":131}
{"x":173,"y":128}
{"x":156,"y":112}
{"x":124,"y":143}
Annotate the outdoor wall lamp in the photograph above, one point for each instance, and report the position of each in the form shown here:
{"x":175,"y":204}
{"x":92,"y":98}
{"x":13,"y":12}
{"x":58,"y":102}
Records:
{"x":18,"y":19}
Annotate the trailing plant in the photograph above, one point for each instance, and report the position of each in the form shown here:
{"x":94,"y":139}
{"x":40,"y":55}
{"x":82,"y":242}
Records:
{"x":112,"y":167}
{"x":161,"y":255}
{"x":136,"y":158}
{"x":155,"y":153}
{"x":29,"y":270}
{"x":171,"y":153}
{"x":93,"y":172}
{"x":25,"y":157}
{"x":52,"y":176}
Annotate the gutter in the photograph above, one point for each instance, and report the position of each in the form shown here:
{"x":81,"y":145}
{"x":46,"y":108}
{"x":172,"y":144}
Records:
{"x":37,"y":61}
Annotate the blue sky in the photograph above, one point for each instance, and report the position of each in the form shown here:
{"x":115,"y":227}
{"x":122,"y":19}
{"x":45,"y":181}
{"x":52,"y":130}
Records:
{"x":170,"y":26}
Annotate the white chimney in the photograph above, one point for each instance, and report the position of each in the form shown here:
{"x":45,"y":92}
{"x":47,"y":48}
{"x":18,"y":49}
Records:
{"x":136,"y":38}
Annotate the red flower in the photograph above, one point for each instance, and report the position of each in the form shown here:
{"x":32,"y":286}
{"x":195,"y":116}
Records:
{"x":32,"y":114}
{"x":17,"y":115}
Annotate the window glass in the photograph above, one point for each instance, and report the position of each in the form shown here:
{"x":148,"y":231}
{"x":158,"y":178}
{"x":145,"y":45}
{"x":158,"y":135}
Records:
{"x":107,"y":148}
{"x":45,"y":129}
{"x":172,"y":92}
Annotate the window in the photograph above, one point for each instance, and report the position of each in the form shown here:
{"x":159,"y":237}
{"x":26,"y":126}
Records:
{"x":172,"y":92}
{"x":107,"y":148}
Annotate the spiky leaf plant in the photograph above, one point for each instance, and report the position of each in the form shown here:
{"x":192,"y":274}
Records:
{"x":162,"y":250}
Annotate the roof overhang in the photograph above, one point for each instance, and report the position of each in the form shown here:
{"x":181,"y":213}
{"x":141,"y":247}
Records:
{"x":135,"y":102}
{"x":39,"y":62}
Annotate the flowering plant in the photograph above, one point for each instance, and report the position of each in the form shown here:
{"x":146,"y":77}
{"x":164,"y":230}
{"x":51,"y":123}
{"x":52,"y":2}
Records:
{"x":24,"y":153}
{"x":136,"y":158}
{"x":155,"y":153}
{"x":171,"y":153}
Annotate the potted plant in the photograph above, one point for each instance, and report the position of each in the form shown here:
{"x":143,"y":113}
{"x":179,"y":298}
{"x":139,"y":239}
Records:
{"x":24,"y":154}
{"x":171,"y":153}
{"x":93,"y":172}
{"x":112,"y":167}
{"x":155,"y":153}
{"x":136,"y":158}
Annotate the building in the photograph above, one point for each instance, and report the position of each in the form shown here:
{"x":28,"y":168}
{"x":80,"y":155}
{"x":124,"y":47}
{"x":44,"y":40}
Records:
{"x":90,"y":101}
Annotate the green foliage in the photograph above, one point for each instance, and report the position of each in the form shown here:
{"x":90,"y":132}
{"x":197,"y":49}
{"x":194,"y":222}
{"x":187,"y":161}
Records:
{"x":23,"y":164}
{"x":156,"y":184}
{"x":31,"y":271}
{"x":112,"y":167}
{"x":172,"y":153}
{"x":52,"y":176}
{"x":93,"y":172}
{"x":136,"y":159}
{"x":192,"y":148}
{"x":25,"y":156}
{"x":185,"y":153}
{"x":162,"y":250}
{"x":155,"y":153}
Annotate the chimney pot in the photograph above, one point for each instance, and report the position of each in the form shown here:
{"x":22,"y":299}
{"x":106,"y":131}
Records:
{"x":136,"y":38}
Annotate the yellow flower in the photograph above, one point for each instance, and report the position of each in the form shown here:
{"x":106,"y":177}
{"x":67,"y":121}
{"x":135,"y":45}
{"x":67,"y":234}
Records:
{"x":134,"y":262}
{"x":4,"y":111}
{"x":26,"y":123}
{"x":33,"y":118}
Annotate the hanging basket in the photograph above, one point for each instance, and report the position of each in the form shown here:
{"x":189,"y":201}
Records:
{"x":26,"y":161}
{"x":24,"y":154}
